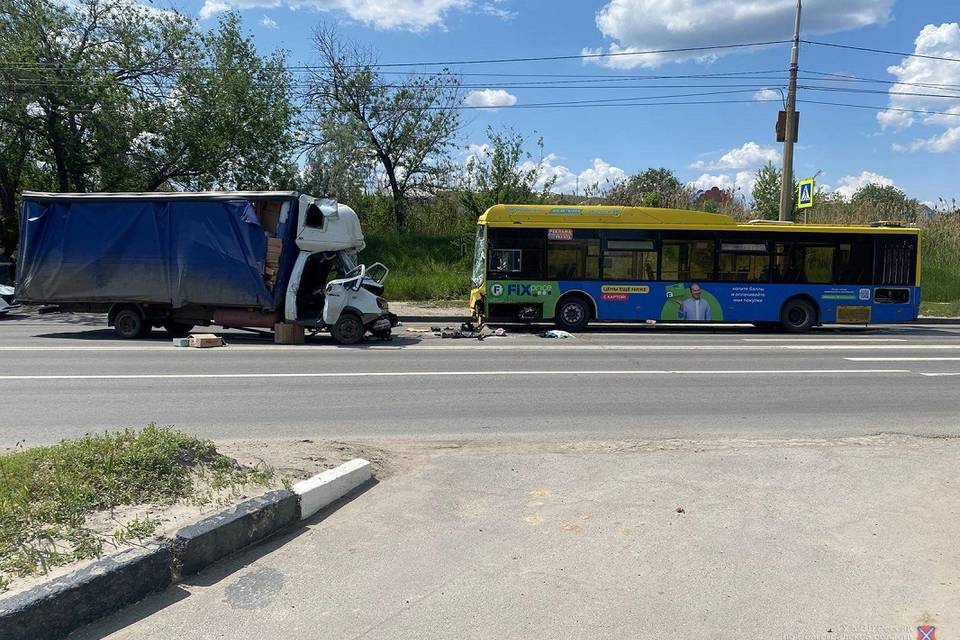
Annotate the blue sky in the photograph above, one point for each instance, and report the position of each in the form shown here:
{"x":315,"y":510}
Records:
{"x":705,"y":144}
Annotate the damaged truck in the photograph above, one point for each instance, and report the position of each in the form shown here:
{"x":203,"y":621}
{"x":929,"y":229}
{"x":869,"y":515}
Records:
{"x":246,"y":260}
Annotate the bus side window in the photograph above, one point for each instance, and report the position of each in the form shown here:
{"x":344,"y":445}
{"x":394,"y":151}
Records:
{"x":573,"y":259}
{"x":630,"y":260}
{"x":683,"y":260}
{"x":505,"y":260}
{"x":797,"y":262}
{"x":855,"y":261}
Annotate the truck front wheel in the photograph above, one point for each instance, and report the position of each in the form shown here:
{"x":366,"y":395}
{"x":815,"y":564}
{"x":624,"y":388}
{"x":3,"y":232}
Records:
{"x":348,"y":329}
{"x":130,"y":323}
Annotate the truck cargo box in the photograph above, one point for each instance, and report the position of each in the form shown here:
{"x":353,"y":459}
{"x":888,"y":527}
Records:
{"x":166,"y":249}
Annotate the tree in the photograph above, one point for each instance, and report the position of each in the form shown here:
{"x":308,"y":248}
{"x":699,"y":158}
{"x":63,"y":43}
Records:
{"x":339,"y":168}
{"x":229,"y":124}
{"x":652,"y":188}
{"x":885,"y":202}
{"x":502,"y":171}
{"x":406,"y":127}
{"x":766,"y":192}
{"x":113,"y":95}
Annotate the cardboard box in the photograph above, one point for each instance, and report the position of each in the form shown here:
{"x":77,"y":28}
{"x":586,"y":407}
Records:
{"x":286,"y":333}
{"x":206,"y":340}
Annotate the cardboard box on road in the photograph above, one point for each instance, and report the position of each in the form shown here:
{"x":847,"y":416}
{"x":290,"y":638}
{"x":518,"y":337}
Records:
{"x":206,"y":340}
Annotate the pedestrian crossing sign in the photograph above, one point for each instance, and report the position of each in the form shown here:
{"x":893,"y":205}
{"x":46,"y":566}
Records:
{"x":805,"y":195}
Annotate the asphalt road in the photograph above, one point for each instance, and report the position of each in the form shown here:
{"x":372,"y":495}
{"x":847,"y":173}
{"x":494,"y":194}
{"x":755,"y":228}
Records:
{"x":64,"y":376}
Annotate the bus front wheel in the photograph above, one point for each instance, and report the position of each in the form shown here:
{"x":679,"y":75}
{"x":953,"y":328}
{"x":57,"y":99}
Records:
{"x":572,"y":314}
{"x":798,"y":316}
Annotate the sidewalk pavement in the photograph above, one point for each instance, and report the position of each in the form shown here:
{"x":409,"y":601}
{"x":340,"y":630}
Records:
{"x":543,"y":537}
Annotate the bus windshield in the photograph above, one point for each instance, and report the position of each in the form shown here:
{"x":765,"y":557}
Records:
{"x":479,"y":257}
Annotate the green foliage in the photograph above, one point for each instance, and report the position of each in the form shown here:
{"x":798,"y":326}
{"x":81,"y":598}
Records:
{"x":113,"y":95}
{"x":652,"y":188}
{"x":405,"y":127}
{"x":502,"y":172}
{"x":886,"y":202}
{"x":766,"y":192}
{"x":422,"y":267}
{"x":46,"y":492}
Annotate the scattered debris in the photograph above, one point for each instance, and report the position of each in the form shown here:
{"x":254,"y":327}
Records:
{"x":205,"y":341}
{"x":680,"y":510}
{"x":500,"y":332}
{"x":557,"y":334}
{"x":181,"y":342}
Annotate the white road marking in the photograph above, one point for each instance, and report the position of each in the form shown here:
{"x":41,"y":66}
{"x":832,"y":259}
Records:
{"x":803,"y":340}
{"x":500,"y":347}
{"x":903,"y":359}
{"x":425,"y":374}
{"x":940,"y":375}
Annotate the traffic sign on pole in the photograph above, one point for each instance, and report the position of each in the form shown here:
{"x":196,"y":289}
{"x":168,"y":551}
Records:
{"x":805,"y":192}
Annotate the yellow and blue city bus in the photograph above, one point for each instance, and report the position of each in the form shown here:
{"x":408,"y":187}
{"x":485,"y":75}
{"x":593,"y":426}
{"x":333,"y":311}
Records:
{"x":571,"y":265}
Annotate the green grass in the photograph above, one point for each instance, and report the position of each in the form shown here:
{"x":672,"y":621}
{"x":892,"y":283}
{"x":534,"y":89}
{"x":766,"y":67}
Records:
{"x":940,"y":309}
{"x":422,"y":267}
{"x":47,"y":492}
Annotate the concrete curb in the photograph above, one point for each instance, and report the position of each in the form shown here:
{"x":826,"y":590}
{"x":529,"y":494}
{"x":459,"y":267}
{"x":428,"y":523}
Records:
{"x":331,"y":485}
{"x":200,"y":544}
{"x":52,"y":610}
{"x":55,"y":608}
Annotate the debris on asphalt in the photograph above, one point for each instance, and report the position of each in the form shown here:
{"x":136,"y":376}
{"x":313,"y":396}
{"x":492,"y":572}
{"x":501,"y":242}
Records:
{"x":557,"y":334}
{"x":181,"y":342}
{"x":680,"y":510}
{"x":205,"y":341}
{"x":500,"y":332}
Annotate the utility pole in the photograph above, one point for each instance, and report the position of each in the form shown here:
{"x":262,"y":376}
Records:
{"x":786,"y":184}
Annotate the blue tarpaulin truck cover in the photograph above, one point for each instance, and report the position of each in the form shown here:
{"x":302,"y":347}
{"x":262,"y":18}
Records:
{"x":149,"y":250}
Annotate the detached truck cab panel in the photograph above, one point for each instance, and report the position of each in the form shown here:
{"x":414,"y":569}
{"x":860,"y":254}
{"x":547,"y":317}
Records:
{"x":176,"y":260}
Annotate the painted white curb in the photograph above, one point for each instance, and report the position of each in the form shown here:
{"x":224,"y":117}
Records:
{"x":331,"y":485}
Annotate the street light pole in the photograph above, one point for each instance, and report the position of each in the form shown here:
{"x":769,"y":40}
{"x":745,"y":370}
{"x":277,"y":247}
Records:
{"x":786,"y":184}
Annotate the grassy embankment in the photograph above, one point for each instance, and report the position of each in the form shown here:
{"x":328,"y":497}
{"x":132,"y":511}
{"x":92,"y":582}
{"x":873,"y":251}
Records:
{"x":47,"y":493}
{"x":431,"y":268}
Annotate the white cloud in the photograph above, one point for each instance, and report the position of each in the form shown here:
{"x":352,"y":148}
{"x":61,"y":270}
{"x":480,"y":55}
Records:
{"x":599,"y":174}
{"x":495,"y":9}
{"x":941,"y":41}
{"x":750,"y":155}
{"x":741,"y":181}
{"x":602,"y":173}
{"x":490,"y":98}
{"x":767,"y":94}
{"x":269,"y":23}
{"x":849,"y":185}
{"x":643,"y":25}
{"x":410,"y":15}
{"x":213,"y":7}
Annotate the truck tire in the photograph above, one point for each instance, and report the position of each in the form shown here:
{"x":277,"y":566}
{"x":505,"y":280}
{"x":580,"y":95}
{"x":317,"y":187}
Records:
{"x":798,"y":316}
{"x":348,"y":329}
{"x":129,"y":323}
{"x":177,"y":329}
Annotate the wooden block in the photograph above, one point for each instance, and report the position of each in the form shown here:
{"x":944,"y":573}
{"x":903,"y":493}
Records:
{"x":286,"y":333}
{"x":205,"y":341}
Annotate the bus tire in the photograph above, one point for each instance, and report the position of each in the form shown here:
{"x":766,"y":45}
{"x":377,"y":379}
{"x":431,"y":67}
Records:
{"x":572,"y":314}
{"x":798,"y":316}
{"x":128,"y":323}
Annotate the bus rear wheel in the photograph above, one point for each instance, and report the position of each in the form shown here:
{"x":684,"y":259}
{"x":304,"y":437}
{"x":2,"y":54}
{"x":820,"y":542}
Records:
{"x":572,"y":314}
{"x":798,"y":316}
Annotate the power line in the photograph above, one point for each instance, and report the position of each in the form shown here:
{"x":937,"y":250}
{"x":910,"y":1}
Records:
{"x":874,"y":108}
{"x":451,"y":63}
{"x":883,"y":51}
{"x":842,"y":77}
